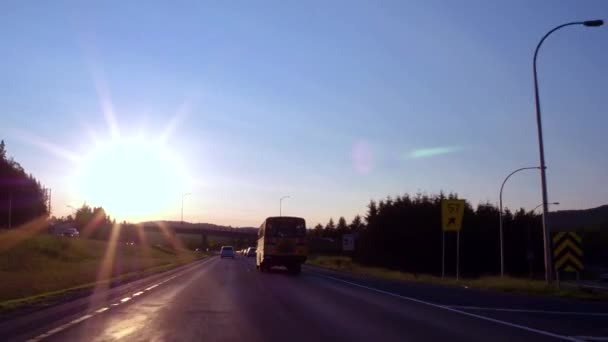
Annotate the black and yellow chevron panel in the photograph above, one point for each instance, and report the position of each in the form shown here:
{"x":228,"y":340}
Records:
{"x":567,"y":252}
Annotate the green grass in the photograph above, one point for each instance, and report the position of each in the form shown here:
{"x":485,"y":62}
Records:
{"x":36,"y":268}
{"x":493,"y":283}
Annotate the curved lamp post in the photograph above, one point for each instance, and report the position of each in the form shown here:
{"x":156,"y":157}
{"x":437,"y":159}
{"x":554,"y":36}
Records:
{"x":281,"y":205}
{"x":543,"y":176}
{"x":502,"y":254}
{"x":184,"y":195}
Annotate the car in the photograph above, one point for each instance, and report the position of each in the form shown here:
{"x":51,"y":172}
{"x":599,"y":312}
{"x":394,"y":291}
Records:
{"x":227,"y":252}
{"x":71,"y":232}
{"x":251,"y":251}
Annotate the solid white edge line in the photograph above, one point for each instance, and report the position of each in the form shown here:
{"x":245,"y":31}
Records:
{"x":537,"y":331}
{"x":548,"y":312}
{"x":592,"y":338}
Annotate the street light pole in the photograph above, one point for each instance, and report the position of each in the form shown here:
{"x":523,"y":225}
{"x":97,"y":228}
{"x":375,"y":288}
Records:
{"x":184,"y":195}
{"x":75,"y":211}
{"x":10,"y":210}
{"x":281,"y":205}
{"x":543,"y":176}
{"x":502,"y":254}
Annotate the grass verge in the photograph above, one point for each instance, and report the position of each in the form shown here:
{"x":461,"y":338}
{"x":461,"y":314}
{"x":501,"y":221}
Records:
{"x":492,"y":283}
{"x":42,"y":269}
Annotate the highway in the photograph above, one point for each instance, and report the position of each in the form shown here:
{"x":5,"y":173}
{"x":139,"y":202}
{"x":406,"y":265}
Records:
{"x":229,"y":300}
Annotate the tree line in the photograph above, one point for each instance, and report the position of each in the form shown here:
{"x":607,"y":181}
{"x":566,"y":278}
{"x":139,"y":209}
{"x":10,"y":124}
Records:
{"x":22,"y":197}
{"x":405,"y":233}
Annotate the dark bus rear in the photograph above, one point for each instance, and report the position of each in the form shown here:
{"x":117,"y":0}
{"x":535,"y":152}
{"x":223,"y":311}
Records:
{"x":282,"y":242}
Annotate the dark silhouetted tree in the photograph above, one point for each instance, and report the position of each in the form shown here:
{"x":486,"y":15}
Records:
{"x":342,"y":227}
{"x":22,"y":198}
{"x":357,"y":224}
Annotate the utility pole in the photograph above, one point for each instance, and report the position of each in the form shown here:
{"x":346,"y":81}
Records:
{"x":10,"y":210}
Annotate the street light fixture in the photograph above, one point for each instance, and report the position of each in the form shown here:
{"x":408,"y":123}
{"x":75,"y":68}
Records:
{"x":281,"y":205}
{"x":75,"y":211}
{"x":543,"y":176}
{"x":502,"y":254}
{"x":538,"y":206}
{"x":184,"y":195}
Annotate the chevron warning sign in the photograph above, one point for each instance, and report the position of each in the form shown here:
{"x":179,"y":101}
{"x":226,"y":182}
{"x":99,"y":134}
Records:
{"x":567,"y":252}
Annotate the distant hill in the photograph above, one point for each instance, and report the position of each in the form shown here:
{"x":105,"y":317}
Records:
{"x":209,"y":226}
{"x":593,"y":219}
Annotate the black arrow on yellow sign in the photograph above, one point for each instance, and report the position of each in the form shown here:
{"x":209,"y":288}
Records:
{"x":567,"y":252}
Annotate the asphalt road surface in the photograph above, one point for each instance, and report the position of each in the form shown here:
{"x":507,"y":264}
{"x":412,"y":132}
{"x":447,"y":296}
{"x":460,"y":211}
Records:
{"x":229,"y":300}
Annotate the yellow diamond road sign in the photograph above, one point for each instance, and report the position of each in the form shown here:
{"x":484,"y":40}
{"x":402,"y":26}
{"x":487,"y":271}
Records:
{"x":452,"y":212}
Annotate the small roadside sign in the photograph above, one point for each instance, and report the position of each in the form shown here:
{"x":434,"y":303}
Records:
{"x":348,"y":242}
{"x":452,"y":212}
{"x":567,"y":252}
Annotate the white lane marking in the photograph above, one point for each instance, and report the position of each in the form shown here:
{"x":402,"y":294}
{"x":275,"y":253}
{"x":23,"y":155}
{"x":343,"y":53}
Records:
{"x":85,"y":317}
{"x":537,"y":331}
{"x":592,"y":338}
{"x":78,"y":320}
{"x":59,"y":329}
{"x":572,"y":313}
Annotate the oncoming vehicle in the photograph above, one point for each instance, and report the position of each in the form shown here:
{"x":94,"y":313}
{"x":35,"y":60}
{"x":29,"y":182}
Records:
{"x":227,"y":252}
{"x":71,"y":232}
{"x":282,"y":242}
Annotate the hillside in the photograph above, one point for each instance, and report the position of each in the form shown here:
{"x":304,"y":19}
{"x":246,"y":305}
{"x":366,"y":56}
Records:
{"x":209,"y":226}
{"x":594,"y":218}
{"x":44,"y":263}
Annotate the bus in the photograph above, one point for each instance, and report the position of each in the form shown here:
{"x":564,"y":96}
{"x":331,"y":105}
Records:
{"x":282,"y":242}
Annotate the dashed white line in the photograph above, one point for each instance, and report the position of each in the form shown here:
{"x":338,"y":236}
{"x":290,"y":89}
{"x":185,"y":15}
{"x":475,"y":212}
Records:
{"x":513,"y":325}
{"x":98,"y":311}
{"x":548,"y":312}
{"x":78,"y":320}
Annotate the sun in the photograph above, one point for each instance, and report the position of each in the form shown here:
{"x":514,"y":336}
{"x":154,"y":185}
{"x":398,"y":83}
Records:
{"x":133,"y":179}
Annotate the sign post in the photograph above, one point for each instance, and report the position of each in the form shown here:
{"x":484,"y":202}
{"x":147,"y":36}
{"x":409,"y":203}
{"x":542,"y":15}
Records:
{"x":442,"y":254}
{"x":457,"y":255}
{"x":452,"y":212}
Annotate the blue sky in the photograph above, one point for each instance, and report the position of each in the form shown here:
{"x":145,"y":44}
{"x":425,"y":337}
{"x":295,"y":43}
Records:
{"x":331,"y":102}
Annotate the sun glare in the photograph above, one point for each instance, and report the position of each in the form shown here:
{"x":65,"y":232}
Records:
{"x":133,"y":180}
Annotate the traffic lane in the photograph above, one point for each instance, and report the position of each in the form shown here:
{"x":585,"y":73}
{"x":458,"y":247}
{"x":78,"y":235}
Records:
{"x":228,"y":300}
{"x":33,"y":322}
{"x":189,"y":308}
{"x":339,"y":311}
{"x":555,"y":315}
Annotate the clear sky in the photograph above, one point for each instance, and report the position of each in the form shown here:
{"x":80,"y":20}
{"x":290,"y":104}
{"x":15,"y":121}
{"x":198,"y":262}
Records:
{"x":331,"y":102}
